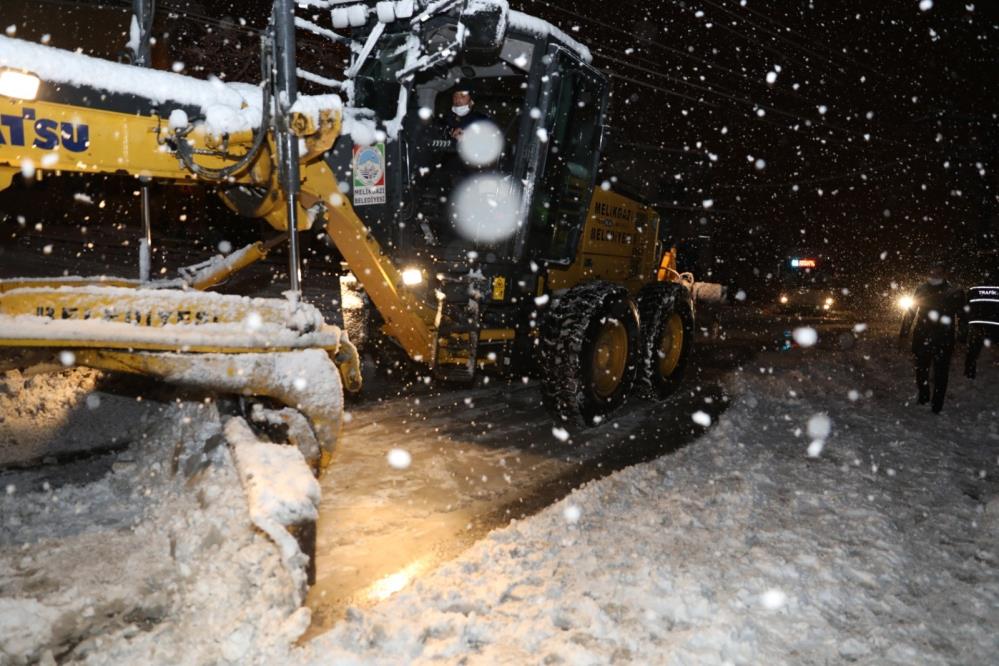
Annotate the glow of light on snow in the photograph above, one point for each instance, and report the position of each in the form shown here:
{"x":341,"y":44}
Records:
{"x":67,"y":358}
{"x":385,"y":587}
{"x":701,"y":418}
{"x":805,"y":336}
{"x":480,"y":143}
{"x":485,"y":208}
{"x":773,"y":599}
{"x":561,"y":434}
{"x":399,"y":458}
{"x":572,"y":513}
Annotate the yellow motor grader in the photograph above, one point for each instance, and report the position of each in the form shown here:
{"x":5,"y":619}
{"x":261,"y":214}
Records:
{"x":519,"y":262}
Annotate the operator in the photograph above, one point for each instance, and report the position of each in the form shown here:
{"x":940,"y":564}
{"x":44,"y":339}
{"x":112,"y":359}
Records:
{"x":983,"y":317}
{"x":935,"y":309}
{"x":462,"y":114}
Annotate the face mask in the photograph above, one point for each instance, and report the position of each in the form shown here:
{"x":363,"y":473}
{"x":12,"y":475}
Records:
{"x":461,"y":111}
{"x":936,"y":282}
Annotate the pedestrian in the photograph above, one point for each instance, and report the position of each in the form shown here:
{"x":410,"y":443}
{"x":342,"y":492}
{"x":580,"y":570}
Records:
{"x":982,"y":317}
{"x":933,"y":320}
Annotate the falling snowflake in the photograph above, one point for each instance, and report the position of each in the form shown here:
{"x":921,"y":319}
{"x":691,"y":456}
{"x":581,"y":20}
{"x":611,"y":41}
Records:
{"x":701,"y":418}
{"x":805,"y":336}
{"x":399,"y":458}
{"x":773,"y":599}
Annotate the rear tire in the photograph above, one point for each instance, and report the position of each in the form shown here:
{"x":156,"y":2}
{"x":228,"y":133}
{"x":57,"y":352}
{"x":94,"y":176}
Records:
{"x":589,"y":352}
{"x":667,"y":337}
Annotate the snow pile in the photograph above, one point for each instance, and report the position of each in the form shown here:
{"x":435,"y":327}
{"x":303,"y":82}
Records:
{"x":140,"y":555}
{"x":36,"y":409}
{"x":740,"y":548}
{"x":280,"y":491}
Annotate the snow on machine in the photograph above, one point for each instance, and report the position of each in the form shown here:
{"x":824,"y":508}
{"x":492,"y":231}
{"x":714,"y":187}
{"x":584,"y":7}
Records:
{"x":511,"y":259}
{"x":493,"y":252}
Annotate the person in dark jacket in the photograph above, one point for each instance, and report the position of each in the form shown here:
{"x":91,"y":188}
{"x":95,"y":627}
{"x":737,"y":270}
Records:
{"x":933,"y":320}
{"x":461,"y":115}
{"x":982,"y":318}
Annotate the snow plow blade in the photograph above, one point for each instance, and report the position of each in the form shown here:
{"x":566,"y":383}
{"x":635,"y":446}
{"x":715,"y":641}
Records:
{"x":279,"y":349}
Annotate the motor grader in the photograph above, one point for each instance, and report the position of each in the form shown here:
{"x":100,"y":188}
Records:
{"x":516,"y":263}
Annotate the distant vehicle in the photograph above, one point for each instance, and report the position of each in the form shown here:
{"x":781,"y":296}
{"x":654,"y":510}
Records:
{"x":805,"y":285}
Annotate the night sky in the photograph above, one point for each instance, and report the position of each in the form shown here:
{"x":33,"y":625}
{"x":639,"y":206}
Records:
{"x":872,"y":140}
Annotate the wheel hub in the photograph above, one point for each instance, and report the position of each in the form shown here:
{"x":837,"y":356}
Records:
{"x":610,"y":357}
{"x":670,"y":346}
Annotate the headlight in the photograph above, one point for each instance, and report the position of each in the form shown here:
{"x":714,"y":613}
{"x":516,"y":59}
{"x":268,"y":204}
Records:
{"x":18,"y":84}
{"x":905,"y":302}
{"x":783,"y":299}
{"x":412,"y":277}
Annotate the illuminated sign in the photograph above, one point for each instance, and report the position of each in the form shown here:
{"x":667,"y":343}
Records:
{"x":803,"y":263}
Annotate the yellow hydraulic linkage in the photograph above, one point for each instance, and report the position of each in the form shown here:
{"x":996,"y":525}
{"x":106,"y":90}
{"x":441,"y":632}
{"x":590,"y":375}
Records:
{"x":167,"y":329}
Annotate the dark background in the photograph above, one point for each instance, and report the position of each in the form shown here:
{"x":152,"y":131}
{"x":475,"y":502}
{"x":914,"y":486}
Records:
{"x":899,"y":169}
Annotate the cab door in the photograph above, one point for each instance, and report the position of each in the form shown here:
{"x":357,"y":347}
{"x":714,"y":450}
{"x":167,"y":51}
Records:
{"x":573,"y":104}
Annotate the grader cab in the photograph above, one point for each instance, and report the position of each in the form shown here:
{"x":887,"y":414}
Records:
{"x":496,"y":252}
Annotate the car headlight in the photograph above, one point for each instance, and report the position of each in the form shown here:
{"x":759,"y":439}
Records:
{"x":412,"y":277}
{"x":18,"y":84}
{"x":905,"y":302}
{"x":783,"y":299}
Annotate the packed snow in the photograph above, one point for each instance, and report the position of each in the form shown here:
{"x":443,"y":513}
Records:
{"x":142,"y":553}
{"x":740,"y":548}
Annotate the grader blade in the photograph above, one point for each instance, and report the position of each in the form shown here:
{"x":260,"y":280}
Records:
{"x":306,"y":380}
{"x":280,"y":349}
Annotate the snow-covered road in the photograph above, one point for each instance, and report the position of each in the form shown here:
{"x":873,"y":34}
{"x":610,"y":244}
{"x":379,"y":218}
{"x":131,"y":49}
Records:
{"x":736,"y":545}
{"x":742,"y":548}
